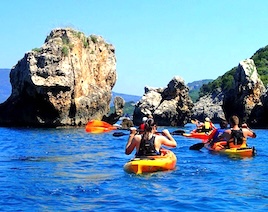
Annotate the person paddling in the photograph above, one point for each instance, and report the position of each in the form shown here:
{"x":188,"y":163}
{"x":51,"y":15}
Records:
{"x":149,"y":143}
{"x":237,"y":137}
{"x":142,"y":125}
{"x":218,"y":142}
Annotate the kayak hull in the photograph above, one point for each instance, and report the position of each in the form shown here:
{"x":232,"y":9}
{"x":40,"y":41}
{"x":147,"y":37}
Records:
{"x":140,"y":165}
{"x":200,"y":135}
{"x":236,"y":152}
{"x":240,"y":152}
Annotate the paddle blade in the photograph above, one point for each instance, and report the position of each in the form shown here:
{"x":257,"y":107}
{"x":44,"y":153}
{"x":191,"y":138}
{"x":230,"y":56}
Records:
{"x":119,"y":134}
{"x":97,"y":130}
{"x":97,"y":126}
{"x":197,"y":146}
{"x":98,"y":123}
{"x":178,"y":132}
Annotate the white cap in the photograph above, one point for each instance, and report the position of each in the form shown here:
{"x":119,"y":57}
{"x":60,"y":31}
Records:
{"x":207,"y":119}
{"x":144,"y":119}
{"x":132,"y":128}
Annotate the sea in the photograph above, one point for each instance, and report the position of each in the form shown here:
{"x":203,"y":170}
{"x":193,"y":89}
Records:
{"x":72,"y":170}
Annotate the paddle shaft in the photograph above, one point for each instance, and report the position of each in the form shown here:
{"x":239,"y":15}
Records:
{"x":176,"y":132}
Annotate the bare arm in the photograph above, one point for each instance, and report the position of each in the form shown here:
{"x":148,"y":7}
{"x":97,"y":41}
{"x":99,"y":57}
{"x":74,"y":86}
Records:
{"x":249,"y":132}
{"x":131,"y":143}
{"x":168,"y":140}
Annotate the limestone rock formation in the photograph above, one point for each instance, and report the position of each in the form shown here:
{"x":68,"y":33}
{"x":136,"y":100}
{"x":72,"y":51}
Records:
{"x":210,"y":106}
{"x":119,"y":104}
{"x":126,"y":123}
{"x":170,"y":106}
{"x":66,"y":82}
{"x":246,"y":94}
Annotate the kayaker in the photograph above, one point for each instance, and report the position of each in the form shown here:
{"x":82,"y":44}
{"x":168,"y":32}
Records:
{"x":148,"y":143}
{"x":236,"y":136}
{"x":208,"y":125}
{"x":199,"y":125}
{"x":218,"y":142}
{"x":142,"y":125}
{"x":205,"y":126}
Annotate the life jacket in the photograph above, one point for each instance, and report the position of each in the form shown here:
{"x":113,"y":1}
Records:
{"x":207,"y":127}
{"x":147,"y":147}
{"x":237,"y":139}
{"x":217,"y":134}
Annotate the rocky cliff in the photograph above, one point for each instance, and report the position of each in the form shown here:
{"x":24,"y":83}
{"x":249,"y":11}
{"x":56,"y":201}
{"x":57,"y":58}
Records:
{"x":245,"y":96}
{"x":66,"y":82}
{"x":210,"y":106}
{"x":170,"y":106}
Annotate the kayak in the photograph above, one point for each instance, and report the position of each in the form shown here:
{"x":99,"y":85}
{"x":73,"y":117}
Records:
{"x":236,"y":152}
{"x":148,"y":164}
{"x":200,"y":135}
{"x":97,"y":126}
{"x":241,"y":152}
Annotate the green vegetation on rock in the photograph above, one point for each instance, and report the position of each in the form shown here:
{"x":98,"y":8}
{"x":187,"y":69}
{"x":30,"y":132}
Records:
{"x":225,"y":81}
{"x":194,"y":88}
{"x":261,"y":61}
{"x":128,"y":108}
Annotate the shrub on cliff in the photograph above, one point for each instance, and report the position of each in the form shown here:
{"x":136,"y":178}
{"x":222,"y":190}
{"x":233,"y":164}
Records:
{"x":225,"y":81}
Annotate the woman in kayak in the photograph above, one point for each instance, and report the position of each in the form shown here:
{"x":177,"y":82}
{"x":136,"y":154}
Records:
{"x":149,"y":143}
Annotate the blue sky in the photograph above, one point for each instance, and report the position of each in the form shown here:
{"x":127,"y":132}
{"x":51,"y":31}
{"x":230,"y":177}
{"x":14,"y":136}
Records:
{"x":154,"y":40}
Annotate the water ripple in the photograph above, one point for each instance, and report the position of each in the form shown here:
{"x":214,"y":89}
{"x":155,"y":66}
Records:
{"x":71,"y":170}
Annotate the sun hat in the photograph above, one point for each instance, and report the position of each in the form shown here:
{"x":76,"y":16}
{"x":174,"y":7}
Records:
{"x":144,"y":119}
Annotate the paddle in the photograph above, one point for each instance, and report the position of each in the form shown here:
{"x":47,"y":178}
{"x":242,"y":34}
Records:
{"x":197,"y":146}
{"x":97,"y":126}
{"x":176,"y":132}
{"x":119,"y":134}
{"x":194,"y":121}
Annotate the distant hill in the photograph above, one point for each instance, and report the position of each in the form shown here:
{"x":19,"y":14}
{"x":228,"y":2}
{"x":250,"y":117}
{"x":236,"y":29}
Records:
{"x":126,"y":97}
{"x":5,"y":86}
{"x":194,"y":88}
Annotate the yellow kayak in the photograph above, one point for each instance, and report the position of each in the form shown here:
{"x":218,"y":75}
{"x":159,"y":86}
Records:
{"x":147,"y":164}
{"x":238,"y":152}
{"x":241,"y":152}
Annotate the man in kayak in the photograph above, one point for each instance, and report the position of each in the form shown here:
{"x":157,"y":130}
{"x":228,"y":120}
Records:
{"x":237,"y":137}
{"x":149,"y":143}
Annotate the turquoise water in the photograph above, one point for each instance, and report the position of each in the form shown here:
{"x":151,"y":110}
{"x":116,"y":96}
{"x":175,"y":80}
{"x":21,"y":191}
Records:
{"x":71,"y":170}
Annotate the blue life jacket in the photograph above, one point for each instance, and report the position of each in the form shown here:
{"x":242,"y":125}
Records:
{"x":218,"y":133}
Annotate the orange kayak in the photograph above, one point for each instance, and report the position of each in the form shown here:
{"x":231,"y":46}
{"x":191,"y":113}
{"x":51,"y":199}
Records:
{"x":148,"y":164}
{"x":200,"y":135}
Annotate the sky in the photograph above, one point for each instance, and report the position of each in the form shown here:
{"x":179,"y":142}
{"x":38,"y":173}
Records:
{"x":154,"y":40}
